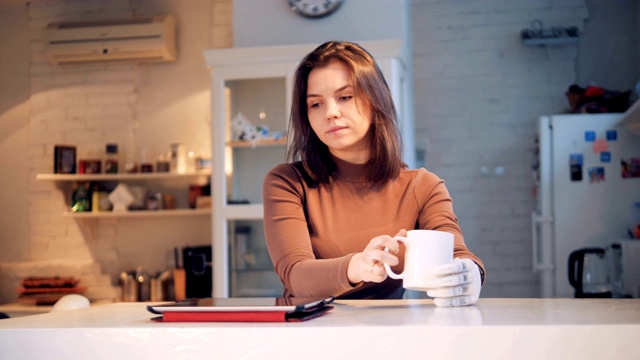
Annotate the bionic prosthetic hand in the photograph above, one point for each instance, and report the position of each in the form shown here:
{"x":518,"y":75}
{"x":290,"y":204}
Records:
{"x":455,"y":284}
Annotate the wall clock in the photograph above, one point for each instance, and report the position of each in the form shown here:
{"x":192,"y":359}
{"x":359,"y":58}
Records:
{"x":315,"y":8}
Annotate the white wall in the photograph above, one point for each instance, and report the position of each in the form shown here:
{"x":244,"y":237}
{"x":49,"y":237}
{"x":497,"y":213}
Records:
{"x":271,"y":22}
{"x":616,"y":65}
{"x":478,"y":92}
{"x":173,"y":103}
{"x":14,"y":131}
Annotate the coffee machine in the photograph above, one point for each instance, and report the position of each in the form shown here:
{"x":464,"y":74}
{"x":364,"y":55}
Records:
{"x":197,"y":265}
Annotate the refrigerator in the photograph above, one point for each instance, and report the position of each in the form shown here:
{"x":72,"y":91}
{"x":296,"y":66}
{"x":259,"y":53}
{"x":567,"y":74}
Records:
{"x":587,"y":191}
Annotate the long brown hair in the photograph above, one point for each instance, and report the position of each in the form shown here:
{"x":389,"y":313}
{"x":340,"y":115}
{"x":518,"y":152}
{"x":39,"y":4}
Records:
{"x":371,"y":90}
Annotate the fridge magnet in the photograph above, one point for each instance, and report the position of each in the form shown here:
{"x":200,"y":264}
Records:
{"x":600,"y":145}
{"x":596,"y":174}
{"x":630,"y":168}
{"x":64,"y":159}
{"x":612,"y":135}
{"x":605,"y":157}
{"x":589,"y":136}
{"x":575,"y":166}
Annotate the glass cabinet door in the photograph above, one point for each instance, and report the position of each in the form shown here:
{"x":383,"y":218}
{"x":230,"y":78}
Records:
{"x":256,"y":120}
{"x":251,"y":272}
{"x":256,"y":135}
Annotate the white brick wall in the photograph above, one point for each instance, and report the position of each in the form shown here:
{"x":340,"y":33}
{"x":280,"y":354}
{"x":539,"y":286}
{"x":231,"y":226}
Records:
{"x":478,"y":92}
{"x":70,"y":106}
{"x":89,"y":106}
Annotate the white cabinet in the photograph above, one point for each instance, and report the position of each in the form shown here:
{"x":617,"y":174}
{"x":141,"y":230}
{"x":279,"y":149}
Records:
{"x":257,"y":83}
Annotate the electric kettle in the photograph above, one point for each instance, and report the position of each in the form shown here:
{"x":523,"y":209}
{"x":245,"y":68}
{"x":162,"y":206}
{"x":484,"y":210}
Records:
{"x":589,"y":273}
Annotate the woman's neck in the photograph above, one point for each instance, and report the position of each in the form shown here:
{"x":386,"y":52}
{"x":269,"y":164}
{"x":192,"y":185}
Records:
{"x":353,"y":157}
{"x":349,"y":171}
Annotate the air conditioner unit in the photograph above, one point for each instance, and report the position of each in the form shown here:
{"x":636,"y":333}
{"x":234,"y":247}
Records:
{"x":149,"y":39}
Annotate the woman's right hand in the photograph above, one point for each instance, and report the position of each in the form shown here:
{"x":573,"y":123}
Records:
{"x":368,"y":264}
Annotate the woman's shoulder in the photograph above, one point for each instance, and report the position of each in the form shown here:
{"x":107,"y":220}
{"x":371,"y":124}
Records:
{"x":289,"y":172}
{"x":421,"y":175}
{"x":422,"y":182}
{"x":288,"y":169}
{"x":283,"y":169}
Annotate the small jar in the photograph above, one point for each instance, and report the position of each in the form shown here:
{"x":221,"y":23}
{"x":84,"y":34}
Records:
{"x":162,"y":165}
{"x":111,"y":161}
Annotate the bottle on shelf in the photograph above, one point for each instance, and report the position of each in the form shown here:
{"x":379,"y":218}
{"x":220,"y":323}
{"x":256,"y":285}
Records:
{"x":111,"y":159}
{"x":130,"y":165}
{"x":178,"y":159}
{"x":190,"y":165}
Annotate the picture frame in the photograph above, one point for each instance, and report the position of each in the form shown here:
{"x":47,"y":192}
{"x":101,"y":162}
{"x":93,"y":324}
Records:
{"x":64,"y":159}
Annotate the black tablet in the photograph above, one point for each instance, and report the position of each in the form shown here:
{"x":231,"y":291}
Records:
{"x":291,"y":304}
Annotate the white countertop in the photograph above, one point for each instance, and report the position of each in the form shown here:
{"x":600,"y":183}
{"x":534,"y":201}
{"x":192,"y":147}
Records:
{"x":16,"y":309}
{"x":370,"y":329}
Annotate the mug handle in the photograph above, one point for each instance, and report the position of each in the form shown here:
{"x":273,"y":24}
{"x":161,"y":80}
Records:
{"x":387,"y":268}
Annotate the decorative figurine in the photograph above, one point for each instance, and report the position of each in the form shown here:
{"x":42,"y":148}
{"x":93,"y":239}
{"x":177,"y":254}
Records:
{"x":121,"y":197}
{"x":245,"y":130}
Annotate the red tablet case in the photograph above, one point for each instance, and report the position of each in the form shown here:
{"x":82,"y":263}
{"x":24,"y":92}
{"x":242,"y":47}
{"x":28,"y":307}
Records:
{"x":243,"y":316}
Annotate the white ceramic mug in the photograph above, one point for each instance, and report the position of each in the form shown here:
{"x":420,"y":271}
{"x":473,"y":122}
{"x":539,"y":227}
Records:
{"x":425,"y":250}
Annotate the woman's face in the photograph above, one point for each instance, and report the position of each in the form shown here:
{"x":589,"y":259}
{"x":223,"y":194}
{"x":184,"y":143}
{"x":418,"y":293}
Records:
{"x":341,"y":121}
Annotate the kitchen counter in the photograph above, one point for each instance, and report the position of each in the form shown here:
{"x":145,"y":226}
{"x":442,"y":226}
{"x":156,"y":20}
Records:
{"x":367,"y":329}
{"x":16,"y":309}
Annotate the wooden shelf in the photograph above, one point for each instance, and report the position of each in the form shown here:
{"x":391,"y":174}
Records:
{"x":140,"y":213}
{"x":120,"y":176}
{"x":260,"y":143}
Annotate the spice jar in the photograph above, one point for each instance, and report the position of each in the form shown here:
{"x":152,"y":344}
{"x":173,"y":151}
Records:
{"x":111,"y":161}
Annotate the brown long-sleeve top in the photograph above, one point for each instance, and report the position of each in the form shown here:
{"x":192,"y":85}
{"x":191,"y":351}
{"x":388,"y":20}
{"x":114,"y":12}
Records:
{"x":313,"y":231}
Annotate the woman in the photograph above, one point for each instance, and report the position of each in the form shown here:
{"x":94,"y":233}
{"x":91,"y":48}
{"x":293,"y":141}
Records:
{"x":330,"y":213}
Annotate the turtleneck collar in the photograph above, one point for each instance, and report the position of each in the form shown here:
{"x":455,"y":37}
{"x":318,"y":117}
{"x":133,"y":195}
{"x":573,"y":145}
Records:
{"x":350,"y":172}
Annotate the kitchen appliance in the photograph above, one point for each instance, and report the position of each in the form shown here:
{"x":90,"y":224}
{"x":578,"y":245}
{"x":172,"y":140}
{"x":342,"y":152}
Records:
{"x":585,"y":195}
{"x":589,"y":273}
{"x":625,"y":260}
{"x":197,"y":265}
